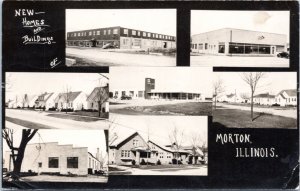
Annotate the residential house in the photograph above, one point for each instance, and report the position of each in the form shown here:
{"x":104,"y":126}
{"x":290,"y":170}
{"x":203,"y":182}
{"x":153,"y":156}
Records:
{"x":264,"y":99}
{"x":51,"y":157}
{"x":45,"y":100}
{"x":99,"y":96}
{"x":71,"y":100}
{"x":286,"y":97}
{"x":232,"y":98}
{"x":29,"y":100}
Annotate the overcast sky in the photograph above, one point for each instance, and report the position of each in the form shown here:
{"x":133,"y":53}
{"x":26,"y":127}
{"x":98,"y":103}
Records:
{"x":161,"y":21}
{"x":264,"y":21}
{"x":160,"y":127}
{"x":20,"y":83}
{"x":92,"y":139}
{"x":174,"y":79}
{"x":272,"y":82}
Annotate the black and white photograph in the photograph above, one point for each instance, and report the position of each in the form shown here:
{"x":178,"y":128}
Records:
{"x":160,"y":91}
{"x":240,"y":38}
{"x":255,"y":99}
{"x":57,"y":100}
{"x":51,"y":155}
{"x":121,"y":37}
{"x":158,"y":145}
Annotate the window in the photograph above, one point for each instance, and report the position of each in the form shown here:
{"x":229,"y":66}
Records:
{"x":156,"y":35}
{"x":135,"y":143}
{"x":144,"y":34}
{"x":160,"y":36}
{"x":195,"y":46}
{"x":125,"y":31}
{"x":108,"y":32}
{"x":133,"y":32}
{"x":90,"y":33}
{"x":72,"y":162}
{"x":139,"y":33}
{"x":221,"y":48}
{"x":98,"y":32}
{"x":104,"y":32}
{"x":74,"y":34}
{"x":115,"y":31}
{"x":53,"y":162}
{"x":125,"y":153}
{"x":40,"y":164}
{"x":89,"y":162}
{"x":78,"y":34}
{"x":205,"y":46}
{"x":149,"y":34}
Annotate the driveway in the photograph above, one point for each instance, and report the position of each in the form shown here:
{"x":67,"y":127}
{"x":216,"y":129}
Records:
{"x":39,"y":119}
{"x":291,"y":113}
{"x":238,"y":61}
{"x":105,"y":58}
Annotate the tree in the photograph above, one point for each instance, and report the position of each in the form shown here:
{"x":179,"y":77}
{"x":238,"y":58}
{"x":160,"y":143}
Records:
{"x":101,"y":97}
{"x":67,"y":97}
{"x":17,"y":153}
{"x":252,"y":79}
{"x":196,"y":142}
{"x":24,"y":100}
{"x":218,"y":88}
{"x":176,"y":138}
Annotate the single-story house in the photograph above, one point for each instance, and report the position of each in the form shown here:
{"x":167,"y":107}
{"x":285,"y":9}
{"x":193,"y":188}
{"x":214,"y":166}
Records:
{"x":98,"y":96}
{"x":232,"y":98}
{"x":264,"y":99}
{"x":286,"y":97}
{"x":46,"y":100}
{"x":71,"y":100}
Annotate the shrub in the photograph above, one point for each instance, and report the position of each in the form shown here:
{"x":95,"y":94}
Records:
{"x":67,"y":110}
{"x":133,"y":162}
{"x":143,"y":162}
{"x":52,"y":109}
{"x":275,"y":104}
{"x":158,"y":162}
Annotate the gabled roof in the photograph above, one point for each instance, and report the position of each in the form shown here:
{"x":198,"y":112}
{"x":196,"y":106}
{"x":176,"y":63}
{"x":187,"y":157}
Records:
{"x":289,"y":92}
{"x":264,"y":95}
{"x":72,"y":96}
{"x":121,"y":139}
{"x":231,"y":95}
{"x":161,"y":147}
{"x":45,"y":96}
{"x":93,"y":95}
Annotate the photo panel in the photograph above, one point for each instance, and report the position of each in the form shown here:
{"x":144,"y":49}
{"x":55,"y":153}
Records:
{"x":121,"y":37}
{"x":57,"y":100}
{"x":160,"y":91}
{"x":158,"y":145}
{"x":232,"y":38}
{"x":255,"y":99}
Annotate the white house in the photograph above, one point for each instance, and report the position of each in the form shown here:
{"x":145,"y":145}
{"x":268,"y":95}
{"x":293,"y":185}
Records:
{"x":71,"y":100}
{"x":98,"y":95}
{"x":232,"y":98}
{"x":286,"y":97}
{"x":51,"y":157}
{"x":29,"y":100}
{"x":264,"y":99}
{"x":16,"y":102}
{"x":45,"y":100}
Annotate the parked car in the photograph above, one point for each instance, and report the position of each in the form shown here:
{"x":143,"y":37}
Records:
{"x":108,"y":46}
{"x":283,"y":55}
{"x":124,"y":97}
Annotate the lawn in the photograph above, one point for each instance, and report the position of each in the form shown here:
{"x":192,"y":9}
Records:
{"x":90,"y":114}
{"x":27,"y":124}
{"x":242,"y":119}
{"x":74,"y":117}
{"x":88,"y":62}
{"x":188,"y":108}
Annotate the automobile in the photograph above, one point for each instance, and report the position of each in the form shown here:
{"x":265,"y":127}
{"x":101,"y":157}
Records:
{"x":124,"y":97}
{"x":108,"y":46}
{"x":283,"y":55}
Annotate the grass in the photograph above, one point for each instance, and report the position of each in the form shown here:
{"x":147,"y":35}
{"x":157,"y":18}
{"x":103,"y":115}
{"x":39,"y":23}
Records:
{"x":27,"y":124}
{"x":242,"y":119}
{"x":264,"y":106}
{"x":90,"y":114}
{"x":188,"y":108}
{"x":74,"y":117}
{"x":88,"y":62}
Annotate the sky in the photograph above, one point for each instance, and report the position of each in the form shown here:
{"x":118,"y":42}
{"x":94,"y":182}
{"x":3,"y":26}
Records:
{"x":272,"y":82}
{"x":161,"y":21}
{"x":92,"y":139}
{"x":159,"y":128}
{"x":20,"y":83}
{"x":188,"y":79}
{"x":264,"y":21}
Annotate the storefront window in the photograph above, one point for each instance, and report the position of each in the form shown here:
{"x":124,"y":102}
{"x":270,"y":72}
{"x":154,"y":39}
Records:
{"x":241,"y":48}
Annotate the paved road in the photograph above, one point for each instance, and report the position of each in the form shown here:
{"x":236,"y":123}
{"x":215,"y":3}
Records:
{"x":105,"y":58}
{"x":238,"y":61}
{"x":292,"y":113}
{"x":39,"y":119}
{"x":48,"y":178}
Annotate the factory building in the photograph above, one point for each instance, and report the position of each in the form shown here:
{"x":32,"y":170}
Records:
{"x":238,"y":42}
{"x":119,"y":37}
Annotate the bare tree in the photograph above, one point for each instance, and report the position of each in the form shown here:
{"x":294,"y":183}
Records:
{"x":67,"y":97}
{"x":17,"y":153}
{"x":196,"y":142}
{"x":24,"y":100}
{"x":252,"y":79}
{"x":218,"y":88}
{"x":176,"y":138}
{"x":101,"y":97}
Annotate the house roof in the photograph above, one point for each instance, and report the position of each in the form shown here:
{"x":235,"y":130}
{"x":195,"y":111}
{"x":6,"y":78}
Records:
{"x":72,"y":96}
{"x":120,"y":138}
{"x":93,"y":95}
{"x":231,"y":95}
{"x":289,"y":92}
{"x":45,"y":96}
{"x":264,"y":95}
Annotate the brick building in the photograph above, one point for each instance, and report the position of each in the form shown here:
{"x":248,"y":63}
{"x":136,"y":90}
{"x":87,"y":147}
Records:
{"x":120,"y":37}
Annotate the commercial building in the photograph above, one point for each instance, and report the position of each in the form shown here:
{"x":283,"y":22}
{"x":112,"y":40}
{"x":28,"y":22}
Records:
{"x":238,"y":42}
{"x":53,"y":158}
{"x":149,"y":92}
{"x":120,"y":37}
{"x":123,"y":150}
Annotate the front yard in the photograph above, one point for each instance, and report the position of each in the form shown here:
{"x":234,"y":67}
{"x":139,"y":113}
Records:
{"x":242,"y":119}
{"x":188,"y":108}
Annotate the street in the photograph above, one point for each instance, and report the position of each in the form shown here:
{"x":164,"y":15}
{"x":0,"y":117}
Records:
{"x":53,"y":178}
{"x":39,"y":119}
{"x":101,"y":57}
{"x":292,"y":113}
{"x":238,"y":61}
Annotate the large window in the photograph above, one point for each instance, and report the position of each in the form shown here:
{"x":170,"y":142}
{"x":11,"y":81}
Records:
{"x":115,"y":31}
{"x":125,"y":153}
{"x":53,"y":162}
{"x":125,"y":31}
{"x":133,"y":32}
{"x":242,"y":48}
{"x":72,"y":162}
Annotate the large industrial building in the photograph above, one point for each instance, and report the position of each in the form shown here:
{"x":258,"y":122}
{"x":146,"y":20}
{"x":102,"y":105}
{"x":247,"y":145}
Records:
{"x":119,"y":37}
{"x":238,"y":42}
{"x":149,"y":92}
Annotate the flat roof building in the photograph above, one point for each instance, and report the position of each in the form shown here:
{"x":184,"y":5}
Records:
{"x":120,"y":37}
{"x":238,"y":42}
